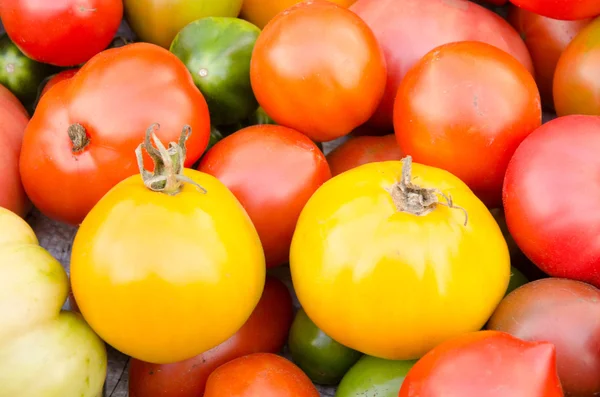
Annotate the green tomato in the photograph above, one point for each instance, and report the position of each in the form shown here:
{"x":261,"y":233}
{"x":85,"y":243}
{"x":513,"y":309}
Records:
{"x":260,"y":117}
{"x":20,"y":74}
{"x":374,"y":377}
{"x":517,"y":279}
{"x":324,"y":360}
{"x":217,"y":53}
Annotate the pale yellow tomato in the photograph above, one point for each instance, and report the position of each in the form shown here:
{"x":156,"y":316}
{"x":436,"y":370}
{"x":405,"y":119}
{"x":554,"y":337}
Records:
{"x":393,"y":274}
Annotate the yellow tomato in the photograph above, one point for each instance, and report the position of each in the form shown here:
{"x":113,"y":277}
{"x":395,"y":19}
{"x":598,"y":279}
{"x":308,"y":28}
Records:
{"x":164,"y":277}
{"x":391,"y":271}
{"x":260,"y":12}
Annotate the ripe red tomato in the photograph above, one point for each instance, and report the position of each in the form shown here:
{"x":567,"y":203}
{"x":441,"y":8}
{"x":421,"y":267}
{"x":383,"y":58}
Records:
{"x":550,"y":195}
{"x":14,"y":119}
{"x":438,"y":22}
{"x":57,"y":78}
{"x":265,"y":331}
{"x":61,"y":32}
{"x":318,"y":68}
{"x":259,"y":375}
{"x":546,"y":40}
{"x":568,"y":10}
{"x":465,"y":107}
{"x":362,"y":150}
{"x":82,"y":138}
{"x":564,"y":313}
{"x":485,"y":364}
{"x":576,"y":81}
{"x":273,"y":171}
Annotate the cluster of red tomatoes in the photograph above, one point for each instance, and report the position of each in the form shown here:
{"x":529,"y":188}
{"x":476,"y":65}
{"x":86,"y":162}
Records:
{"x":446,"y":246}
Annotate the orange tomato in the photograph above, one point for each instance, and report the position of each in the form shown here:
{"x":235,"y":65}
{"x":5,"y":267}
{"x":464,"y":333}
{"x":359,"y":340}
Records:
{"x":318,"y":68}
{"x":260,"y":12}
{"x":362,"y":150}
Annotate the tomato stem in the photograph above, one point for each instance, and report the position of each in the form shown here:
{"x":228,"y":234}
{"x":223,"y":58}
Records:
{"x":78,"y":137}
{"x":417,"y":200}
{"x":168,"y":174}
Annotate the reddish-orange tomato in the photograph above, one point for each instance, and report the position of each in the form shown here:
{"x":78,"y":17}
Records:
{"x":82,"y":138}
{"x":546,"y":40}
{"x":14,"y":119}
{"x":318,"y":68}
{"x":273,"y":171}
{"x":259,"y":375}
{"x":57,"y":78}
{"x":265,"y":331}
{"x":576,"y":81}
{"x":465,"y":107}
{"x":362,"y":150}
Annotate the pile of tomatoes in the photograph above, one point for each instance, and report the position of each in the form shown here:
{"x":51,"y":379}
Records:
{"x":446,"y":246}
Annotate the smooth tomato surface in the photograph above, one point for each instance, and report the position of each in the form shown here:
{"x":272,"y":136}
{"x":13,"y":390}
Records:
{"x":259,"y":375}
{"x":57,"y":78}
{"x":355,"y":254}
{"x":546,"y":39}
{"x":561,"y":9}
{"x":438,"y":22}
{"x":14,"y":120}
{"x":315,"y":56}
{"x":265,"y":331}
{"x":61,"y":32}
{"x":550,"y":197}
{"x":576,"y":83}
{"x":114,"y":101}
{"x":273,"y":171}
{"x":562,"y":312}
{"x":362,"y":150}
{"x":260,"y":12}
{"x":465,"y":107}
{"x":485,"y":364}
{"x":154,"y":273}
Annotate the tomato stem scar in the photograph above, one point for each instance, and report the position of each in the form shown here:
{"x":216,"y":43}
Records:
{"x":78,"y":137}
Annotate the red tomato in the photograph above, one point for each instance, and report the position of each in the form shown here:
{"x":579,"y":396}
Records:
{"x":362,"y":150}
{"x":576,"y":81}
{"x":265,"y":331}
{"x":273,"y":171}
{"x":318,"y":68}
{"x":568,"y":10}
{"x":259,"y":375}
{"x":546,"y":40}
{"x":564,"y":313}
{"x":61,"y":32}
{"x":57,"y":78}
{"x":438,"y":22}
{"x":82,"y":138}
{"x":550,"y":195}
{"x":14,"y":119}
{"x":465,"y":107}
{"x":485,"y":364}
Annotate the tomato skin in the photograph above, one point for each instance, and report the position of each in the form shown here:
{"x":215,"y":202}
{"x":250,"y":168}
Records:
{"x":259,"y":375}
{"x":567,"y":10}
{"x":265,"y":331}
{"x":562,"y":312}
{"x":158,"y":21}
{"x":374,"y":377}
{"x":115,"y":103}
{"x":546,"y":40}
{"x":354,"y":254}
{"x":61,"y":32}
{"x":295,"y":70}
{"x":260,"y":12}
{"x":57,"y":78}
{"x":324,"y":360}
{"x":481,"y":113}
{"x":273,"y":171}
{"x":576,"y":90}
{"x":362,"y":150}
{"x":551,"y":174}
{"x":440,"y":22}
{"x":485,"y":364}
